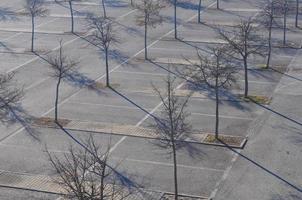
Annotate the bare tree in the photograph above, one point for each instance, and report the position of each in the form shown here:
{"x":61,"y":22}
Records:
{"x":244,"y":41}
{"x":34,"y":8}
{"x":103,"y":35}
{"x":85,"y":174}
{"x":149,"y":10}
{"x":61,"y":67}
{"x":10,"y":95}
{"x":284,"y":8}
{"x":267,"y":18}
{"x":216,"y":72}
{"x":172,"y":125}
{"x":70,"y":2}
{"x":217,"y":4}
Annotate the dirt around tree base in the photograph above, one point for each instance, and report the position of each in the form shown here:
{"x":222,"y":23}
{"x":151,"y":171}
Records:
{"x":180,"y":197}
{"x":49,"y":122}
{"x":229,"y":140}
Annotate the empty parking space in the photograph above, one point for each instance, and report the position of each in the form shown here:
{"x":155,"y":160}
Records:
{"x":131,"y":103}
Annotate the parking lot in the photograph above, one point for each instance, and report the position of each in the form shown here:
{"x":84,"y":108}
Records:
{"x":132,"y":102}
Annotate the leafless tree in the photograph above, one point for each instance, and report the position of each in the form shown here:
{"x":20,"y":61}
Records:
{"x":267,"y":18}
{"x":70,"y":2}
{"x":244,"y":41}
{"x":149,"y":16}
{"x":103,"y":36}
{"x":284,"y":7}
{"x":61,"y":67}
{"x":172,"y":125}
{"x":216,"y":72}
{"x":85,"y":174}
{"x":10,"y":95}
{"x":34,"y":8}
{"x":285,"y":10}
{"x":217,"y":4}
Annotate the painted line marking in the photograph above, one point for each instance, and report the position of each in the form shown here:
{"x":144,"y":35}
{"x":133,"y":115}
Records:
{"x":22,"y":128}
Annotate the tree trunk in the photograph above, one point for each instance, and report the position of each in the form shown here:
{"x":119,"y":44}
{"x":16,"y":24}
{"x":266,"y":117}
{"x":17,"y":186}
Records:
{"x":146,"y":31}
{"x":175,"y":170}
{"x":217,"y":4}
{"x":57,"y":99}
{"x":107,"y":67}
{"x":102,"y":181}
{"x":297,"y":14}
{"x":199,"y":10}
{"x":284,"y":25}
{"x":71,"y":15}
{"x":175,"y":19}
{"x":246,"y":88}
{"x":217,"y":109}
{"x":32,"y":32}
{"x":269,"y":43}
{"x":104,"y":9}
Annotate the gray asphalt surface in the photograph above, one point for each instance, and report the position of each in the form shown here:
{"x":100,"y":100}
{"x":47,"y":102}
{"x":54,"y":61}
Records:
{"x":272,"y":167}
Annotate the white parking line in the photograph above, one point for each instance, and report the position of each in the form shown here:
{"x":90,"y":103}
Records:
{"x":140,"y":73}
{"x":172,"y":49}
{"x":26,"y":148}
{"x":223,"y":116}
{"x":56,"y":48}
{"x":136,"y":108}
{"x":126,"y":61}
{"x":234,"y":159}
{"x":107,"y":105}
{"x":22,"y":128}
{"x":171,"y":164}
{"x":20,"y":33}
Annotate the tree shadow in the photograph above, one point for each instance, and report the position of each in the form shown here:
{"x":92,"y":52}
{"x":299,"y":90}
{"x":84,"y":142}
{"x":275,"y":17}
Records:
{"x":6,"y":47}
{"x":167,"y":69}
{"x":122,"y":178}
{"x":295,"y":139}
{"x":133,"y":103}
{"x":276,"y":112}
{"x":225,"y":95}
{"x":130,"y":30}
{"x":170,"y":20}
{"x":78,"y":79}
{"x":285,"y":74}
{"x":190,"y":147}
{"x":6,"y":14}
{"x":268,"y":171}
{"x":113,"y":54}
{"x":116,"y":55}
{"x":191,"y":44}
{"x":289,"y":196}
{"x":185,"y":5}
{"x":116,"y":3}
{"x":259,"y":73}
{"x":16,"y":114}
